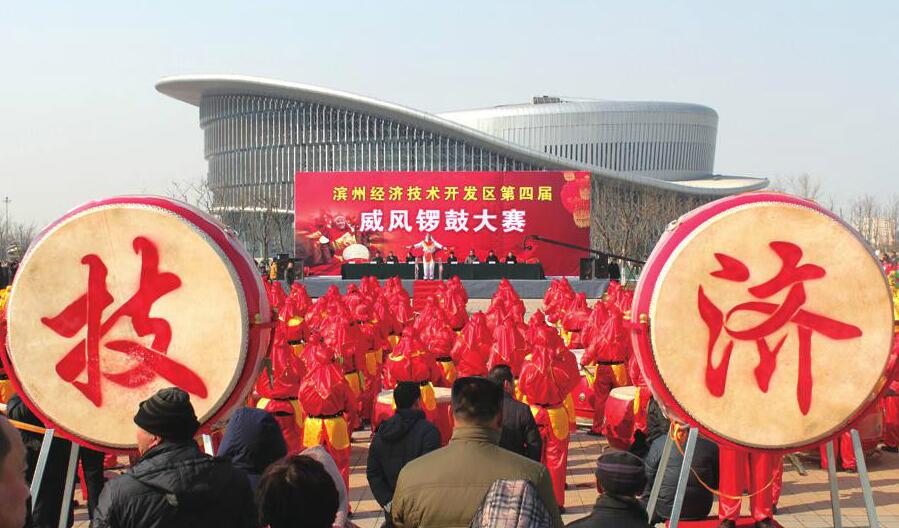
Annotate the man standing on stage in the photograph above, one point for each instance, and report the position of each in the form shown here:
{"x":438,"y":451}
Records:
{"x":428,"y":246}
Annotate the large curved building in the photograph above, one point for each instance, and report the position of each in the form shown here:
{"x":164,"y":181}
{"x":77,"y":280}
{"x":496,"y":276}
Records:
{"x":260,"y":133}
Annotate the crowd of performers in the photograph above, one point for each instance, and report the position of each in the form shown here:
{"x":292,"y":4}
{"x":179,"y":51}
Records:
{"x":333,"y":356}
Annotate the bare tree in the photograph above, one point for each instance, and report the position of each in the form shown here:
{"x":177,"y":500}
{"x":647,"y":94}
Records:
{"x":15,"y":238}
{"x":804,"y":186}
{"x":876,"y":221}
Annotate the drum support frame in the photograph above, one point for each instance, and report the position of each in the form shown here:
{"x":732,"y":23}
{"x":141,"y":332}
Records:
{"x":687,"y":464}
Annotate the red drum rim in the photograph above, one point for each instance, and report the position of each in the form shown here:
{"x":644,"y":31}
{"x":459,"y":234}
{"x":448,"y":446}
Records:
{"x":259,"y":316}
{"x":678,"y":231}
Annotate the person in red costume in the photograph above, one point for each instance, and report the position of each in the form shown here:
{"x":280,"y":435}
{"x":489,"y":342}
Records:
{"x":546,"y":380}
{"x":278,"y":387}
{"x":557,"y":297}
{"x":433,"y":328}
{"x":508,"y":347}
{"x":753,"y":471}
{"x":343,"y":336}
{"x":275,"y":293}
{"x":328,"y":403}
{"x":607,"y":350}
{"x":891,"y":405}
{"x":410,"y":361}
{"x":471,"y":350}
{"x":574,"y":321}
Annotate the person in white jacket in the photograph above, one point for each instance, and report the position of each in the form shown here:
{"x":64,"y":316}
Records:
{"x":429,"y":247}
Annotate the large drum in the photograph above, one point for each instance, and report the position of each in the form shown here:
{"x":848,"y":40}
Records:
{"x":123,"y":297}
{"x":765,"y":320}
{"x":442,"y":416}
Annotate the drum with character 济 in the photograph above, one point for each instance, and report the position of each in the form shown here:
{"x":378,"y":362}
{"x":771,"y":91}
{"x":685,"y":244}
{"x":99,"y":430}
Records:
{"x":764,"y":320}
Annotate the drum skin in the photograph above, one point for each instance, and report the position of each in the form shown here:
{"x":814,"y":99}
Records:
{"x":764,"y":320}
{"x":181,"y":305}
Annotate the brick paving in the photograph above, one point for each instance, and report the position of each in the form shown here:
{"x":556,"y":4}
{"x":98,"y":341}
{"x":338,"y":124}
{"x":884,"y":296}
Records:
{"x":805,"y":502}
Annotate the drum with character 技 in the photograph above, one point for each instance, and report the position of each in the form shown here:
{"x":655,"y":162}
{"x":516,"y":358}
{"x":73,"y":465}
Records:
{"x":122,"y":297}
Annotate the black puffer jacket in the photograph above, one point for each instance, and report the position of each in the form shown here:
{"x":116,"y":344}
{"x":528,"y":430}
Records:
{"x":613,"y":511}
{"x":520,"y":434}
{"x":175,"y":485}
{"x":402,"y":438}
{"x":697,"y":499}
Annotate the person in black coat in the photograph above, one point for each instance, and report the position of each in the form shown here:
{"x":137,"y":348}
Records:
{"x":520,"y":434}
{"x":400,"y":439}
{"x":697,"y":499}
{"x":392,"y":258}
{"x":174,"y":484}
{"x":252,"y":442}
{"x":492,"y":258}
{"x":620,"y":476}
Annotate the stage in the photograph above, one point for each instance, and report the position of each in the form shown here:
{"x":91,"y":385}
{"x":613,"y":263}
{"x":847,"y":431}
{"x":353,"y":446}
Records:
{"x":477,"y":289}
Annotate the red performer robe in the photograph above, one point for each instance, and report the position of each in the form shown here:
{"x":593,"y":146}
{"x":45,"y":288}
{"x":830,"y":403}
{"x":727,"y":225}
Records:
{"x":276,"y":295}
{"x":471,"y":350}
{"x":508,"y":347}
{"x":606,"y":349}
{"x":574,"y":321}
{"x":891,"y":404}
{"x":546,"y":380}
{"x":277,"y":389}
{"x":752,"y":471}
{"x":410,"y":361}
{"x":343,"y":336}
{"x":293,"y":318}
{"x":328,"y":403}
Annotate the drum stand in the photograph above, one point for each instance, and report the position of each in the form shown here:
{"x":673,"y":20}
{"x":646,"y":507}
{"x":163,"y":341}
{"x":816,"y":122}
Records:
{"x":69,"y":486}
{"x":831,"y":472}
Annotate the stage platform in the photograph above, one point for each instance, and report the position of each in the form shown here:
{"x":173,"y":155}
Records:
{"x":477,"y":289}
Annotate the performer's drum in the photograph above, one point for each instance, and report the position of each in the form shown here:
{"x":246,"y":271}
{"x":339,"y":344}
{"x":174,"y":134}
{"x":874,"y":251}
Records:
{"x":442,"y":417}
{"x":123,"y":297}
{"x":583,"y":393}
{"x":620,"y":417}
{"x":765,"y":320}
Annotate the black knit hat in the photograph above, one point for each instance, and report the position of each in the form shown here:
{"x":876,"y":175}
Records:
{"x":168,"y":414}
{"x":621,"y":473}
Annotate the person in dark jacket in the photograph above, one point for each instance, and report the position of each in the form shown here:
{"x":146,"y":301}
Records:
{"x":620,"y":476}
{"x":520,"y":434}
{"x":400,"y":439}
{"x":174,"y":484}
{"x":697,"y":499}
{"x":252,"y":442}
{"x":48,"y":503}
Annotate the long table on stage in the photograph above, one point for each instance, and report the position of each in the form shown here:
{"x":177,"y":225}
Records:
{"x":463,"y":271}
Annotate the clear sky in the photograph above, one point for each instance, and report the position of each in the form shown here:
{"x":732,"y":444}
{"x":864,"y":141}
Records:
{"x":799,"y":86}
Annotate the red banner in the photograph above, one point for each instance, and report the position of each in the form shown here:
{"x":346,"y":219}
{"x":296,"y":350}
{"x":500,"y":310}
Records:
{"x":340,"y":215}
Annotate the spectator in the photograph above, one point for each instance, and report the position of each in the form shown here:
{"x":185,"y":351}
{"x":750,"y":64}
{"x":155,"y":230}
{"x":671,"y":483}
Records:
{"x":520,"y":434}
{"x":252,"y":442}
{"x":290,"y":273}
{"x":400,"y":439}
{"x":173,"y":484}
{"x":297,"y":491}
{"x":48,"y":503}
{"x":446,"y":487}
{"x":321,"y":455}
{"x":492,"y":258}
{"x":472,"y":258}
{"x":697,"y":499}
{"x":620,"y":476}
{"x":13,"y":487}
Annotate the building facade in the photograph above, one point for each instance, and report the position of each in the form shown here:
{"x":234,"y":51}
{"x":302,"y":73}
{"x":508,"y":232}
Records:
{"x":260,"y":134}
